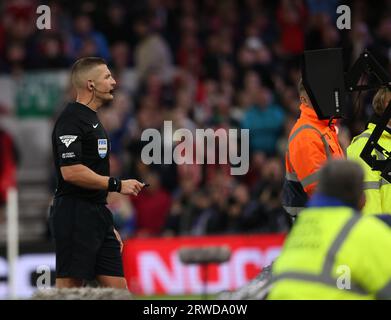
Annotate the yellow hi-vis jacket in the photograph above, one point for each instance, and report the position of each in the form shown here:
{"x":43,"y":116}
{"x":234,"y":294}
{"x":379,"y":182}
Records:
{"x":377,"y":189}
{"x":334,"y":253}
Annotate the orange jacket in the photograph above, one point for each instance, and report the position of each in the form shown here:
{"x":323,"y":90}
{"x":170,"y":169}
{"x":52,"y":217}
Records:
{"x":311,"y":143}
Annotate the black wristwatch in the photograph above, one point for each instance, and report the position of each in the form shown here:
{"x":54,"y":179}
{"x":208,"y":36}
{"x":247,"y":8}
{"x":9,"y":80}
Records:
{"x":115,"y":185}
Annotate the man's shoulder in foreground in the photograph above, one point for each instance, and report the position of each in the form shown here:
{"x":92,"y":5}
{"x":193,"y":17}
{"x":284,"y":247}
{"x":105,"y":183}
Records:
{"x":372,"y":230}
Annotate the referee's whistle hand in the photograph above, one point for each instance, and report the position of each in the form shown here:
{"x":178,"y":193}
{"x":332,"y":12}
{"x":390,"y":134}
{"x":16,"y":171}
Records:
{"x":131,"y":187}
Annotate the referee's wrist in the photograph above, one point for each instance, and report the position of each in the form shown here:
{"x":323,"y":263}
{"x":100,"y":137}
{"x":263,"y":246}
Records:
{"x":115,"y":185}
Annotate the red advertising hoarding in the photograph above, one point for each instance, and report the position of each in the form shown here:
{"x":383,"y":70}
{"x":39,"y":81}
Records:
{"x":152,"y":266}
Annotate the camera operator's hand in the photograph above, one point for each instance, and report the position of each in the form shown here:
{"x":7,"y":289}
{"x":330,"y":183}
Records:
{"x":131,"y":186}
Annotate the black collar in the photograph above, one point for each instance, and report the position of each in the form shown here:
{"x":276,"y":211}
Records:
{"x":85,"y":109}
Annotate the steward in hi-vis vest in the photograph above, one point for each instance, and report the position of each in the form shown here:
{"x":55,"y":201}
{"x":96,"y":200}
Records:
{"x":377,"y":190}
{"x":332,"y":251}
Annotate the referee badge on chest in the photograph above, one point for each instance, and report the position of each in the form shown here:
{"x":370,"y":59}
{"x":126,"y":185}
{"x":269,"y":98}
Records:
{"x":102,"y":147}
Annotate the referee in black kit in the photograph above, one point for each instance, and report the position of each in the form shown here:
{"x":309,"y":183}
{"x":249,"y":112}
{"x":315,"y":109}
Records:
{"x":87,"y":245}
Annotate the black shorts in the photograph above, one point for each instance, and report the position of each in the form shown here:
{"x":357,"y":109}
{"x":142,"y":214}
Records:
{"x":86,"y":245}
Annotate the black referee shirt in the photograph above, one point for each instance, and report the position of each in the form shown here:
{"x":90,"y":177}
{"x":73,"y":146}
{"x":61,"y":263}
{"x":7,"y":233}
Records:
{"x":79,"y":138}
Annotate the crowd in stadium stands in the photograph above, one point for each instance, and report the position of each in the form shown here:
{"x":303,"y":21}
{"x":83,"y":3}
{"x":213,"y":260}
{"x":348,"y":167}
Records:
{"x":201,"y":64}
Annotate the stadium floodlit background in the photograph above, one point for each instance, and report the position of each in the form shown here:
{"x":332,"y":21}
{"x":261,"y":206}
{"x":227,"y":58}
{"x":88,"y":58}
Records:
{"x":201,"y":64}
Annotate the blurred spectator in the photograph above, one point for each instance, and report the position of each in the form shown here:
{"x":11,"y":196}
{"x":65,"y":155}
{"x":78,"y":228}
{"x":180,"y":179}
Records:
{"x":220,"y":185}
{"x":212,"y":56}
{"x":255,"y":55}
{"x":179,"y":219}
{"x":19,"y":19}
{"x":86,"y":41}
{"x":383,"y":41}
{"x":251,"y":86}
{"x":222,"y":117}
{"x":271,"y":217}
{"x":155,"y":88}
{"x":116,"y":23}
{"x":291,"y":17}
{"x":189,"y":54}
{"x":227,"y":78}
{"x":51,"y":53}
{"x":15,"y":61}
{"x":121,"y":64}
{"x":217,"y":218}
{"x":121,"y":57}
{"x":241,"y":211}
{"x":200,"y":214}
{"x":257,"y":162}
{"x":328,"y":8}
{"x":360,"y":38}
{"x":152,"y":52}
{"x":264,"y":119}
{"x":152,"y":206}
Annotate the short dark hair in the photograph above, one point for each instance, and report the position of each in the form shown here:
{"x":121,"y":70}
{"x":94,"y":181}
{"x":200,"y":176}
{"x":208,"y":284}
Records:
{"x":342,"y":179}
{"x":83,"y":65}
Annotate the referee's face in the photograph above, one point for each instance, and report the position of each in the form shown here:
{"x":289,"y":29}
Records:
{"x":104,"y":83}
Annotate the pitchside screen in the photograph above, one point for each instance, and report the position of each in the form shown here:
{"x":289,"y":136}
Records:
{"x":323,"y":79}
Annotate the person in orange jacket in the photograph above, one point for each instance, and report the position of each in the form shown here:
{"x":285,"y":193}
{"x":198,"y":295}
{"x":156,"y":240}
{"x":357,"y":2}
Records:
{"x":311,"y":143}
